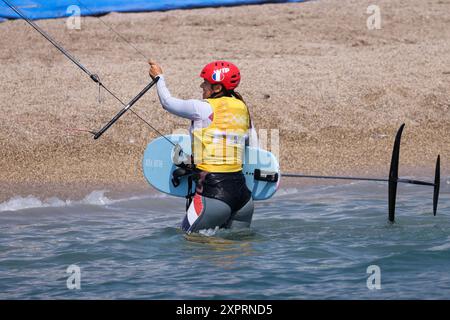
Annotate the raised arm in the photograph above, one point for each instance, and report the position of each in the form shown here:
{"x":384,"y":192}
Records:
{"x":190,"y":109}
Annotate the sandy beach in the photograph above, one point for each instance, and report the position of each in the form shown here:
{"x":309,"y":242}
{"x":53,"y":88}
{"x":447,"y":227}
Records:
{"x":335,"y":91}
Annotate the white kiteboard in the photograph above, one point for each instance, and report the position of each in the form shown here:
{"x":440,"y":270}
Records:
{"x":261,"y":169}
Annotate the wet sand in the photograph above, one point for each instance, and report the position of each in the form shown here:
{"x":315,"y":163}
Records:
{"x":335,"y":91}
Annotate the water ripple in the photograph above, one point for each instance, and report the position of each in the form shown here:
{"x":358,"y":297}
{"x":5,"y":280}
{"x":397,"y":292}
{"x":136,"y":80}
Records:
{"x":305,"y":243}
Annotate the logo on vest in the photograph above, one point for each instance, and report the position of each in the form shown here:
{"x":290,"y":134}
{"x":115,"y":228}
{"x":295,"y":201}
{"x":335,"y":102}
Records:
{"x":219,"y":74}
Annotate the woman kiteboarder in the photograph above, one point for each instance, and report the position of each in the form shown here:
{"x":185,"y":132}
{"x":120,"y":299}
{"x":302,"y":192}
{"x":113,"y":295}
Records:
{"x":220,"y":129}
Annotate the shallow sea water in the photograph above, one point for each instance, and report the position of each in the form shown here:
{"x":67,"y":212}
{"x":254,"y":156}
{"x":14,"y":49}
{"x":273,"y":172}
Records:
{"x":304,"y":243}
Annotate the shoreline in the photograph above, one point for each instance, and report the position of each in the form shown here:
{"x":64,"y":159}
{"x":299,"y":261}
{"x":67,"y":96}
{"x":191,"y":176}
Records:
{"x":116,"y":191}
{"x":335,"y":91}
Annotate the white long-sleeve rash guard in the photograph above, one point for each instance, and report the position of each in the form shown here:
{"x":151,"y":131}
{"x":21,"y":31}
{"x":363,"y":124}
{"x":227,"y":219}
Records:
{"x":199,"y":111}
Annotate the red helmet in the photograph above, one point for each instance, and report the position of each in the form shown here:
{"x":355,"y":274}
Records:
{"x":222,"y":72}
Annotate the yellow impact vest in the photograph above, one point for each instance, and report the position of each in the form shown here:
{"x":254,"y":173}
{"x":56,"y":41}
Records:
{"x":220,"y":146}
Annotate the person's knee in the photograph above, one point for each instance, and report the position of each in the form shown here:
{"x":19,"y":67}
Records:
{"x":243,"y":217}
{"x":211,"y":213}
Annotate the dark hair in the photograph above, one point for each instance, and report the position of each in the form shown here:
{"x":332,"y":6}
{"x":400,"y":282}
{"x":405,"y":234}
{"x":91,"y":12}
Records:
{"x":227,"y":93}
{"x":237,"y":95}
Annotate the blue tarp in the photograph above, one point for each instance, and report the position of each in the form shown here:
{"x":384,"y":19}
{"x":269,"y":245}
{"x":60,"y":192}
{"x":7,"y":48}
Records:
{"x":46,"y":9}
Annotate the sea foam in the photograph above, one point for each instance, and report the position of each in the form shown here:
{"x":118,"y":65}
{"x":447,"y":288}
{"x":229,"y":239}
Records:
{"x":97,"y":198}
